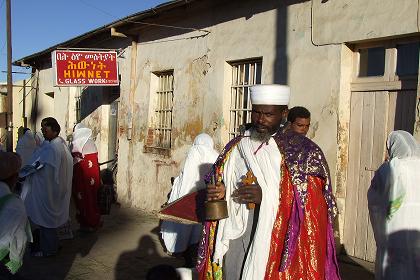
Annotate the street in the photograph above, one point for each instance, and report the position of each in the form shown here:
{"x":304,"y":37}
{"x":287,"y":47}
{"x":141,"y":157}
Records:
{"x":124,"y":249}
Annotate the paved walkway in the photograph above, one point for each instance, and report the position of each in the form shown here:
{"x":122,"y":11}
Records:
{"x":124,"y":249}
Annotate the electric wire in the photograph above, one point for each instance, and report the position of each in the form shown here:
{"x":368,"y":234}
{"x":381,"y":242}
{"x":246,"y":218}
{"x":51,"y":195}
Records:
{"x":142,"y":22}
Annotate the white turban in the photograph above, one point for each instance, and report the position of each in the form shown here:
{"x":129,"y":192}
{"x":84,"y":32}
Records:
{"x":270,"y":95}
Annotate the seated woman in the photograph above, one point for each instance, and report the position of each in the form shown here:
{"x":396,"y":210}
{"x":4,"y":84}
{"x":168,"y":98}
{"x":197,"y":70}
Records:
{"x":14,"y":225}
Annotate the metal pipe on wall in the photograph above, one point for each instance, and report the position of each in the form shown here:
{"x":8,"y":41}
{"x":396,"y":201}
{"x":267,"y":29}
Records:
{"x":9,"y":142}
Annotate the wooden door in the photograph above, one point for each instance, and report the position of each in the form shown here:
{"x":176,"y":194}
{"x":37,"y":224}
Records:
{"x":373,"y":115}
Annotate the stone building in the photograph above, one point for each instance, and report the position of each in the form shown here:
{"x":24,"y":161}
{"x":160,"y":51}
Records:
{"x":185,"y":68}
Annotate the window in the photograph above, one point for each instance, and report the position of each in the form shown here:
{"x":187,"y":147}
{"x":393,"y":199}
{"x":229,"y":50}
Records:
{"x":394,"y":62}
{"x":372,"y":62}
{"x":162,"y":111}
{"x":408,"y":59}
{"x":244,"y":75}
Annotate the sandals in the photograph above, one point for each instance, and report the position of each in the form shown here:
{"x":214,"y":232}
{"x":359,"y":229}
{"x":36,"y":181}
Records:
{"x":40,"y":254}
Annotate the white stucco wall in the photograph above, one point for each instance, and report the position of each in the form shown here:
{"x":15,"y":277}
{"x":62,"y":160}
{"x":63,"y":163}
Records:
{"x":314,"y":62}
{"x":202,"y":80}
{"x":62,"y":106}
{"x":338,"y":21}
{"x":301,"y":43}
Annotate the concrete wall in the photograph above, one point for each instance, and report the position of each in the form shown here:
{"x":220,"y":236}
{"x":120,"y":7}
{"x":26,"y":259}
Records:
{"x":301,"y":43}
{"x":339,"y":21}
{"x":280,"y":35}
{"x":45,"y":100}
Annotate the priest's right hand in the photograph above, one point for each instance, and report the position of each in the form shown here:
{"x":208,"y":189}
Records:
{"x":216,"y":191}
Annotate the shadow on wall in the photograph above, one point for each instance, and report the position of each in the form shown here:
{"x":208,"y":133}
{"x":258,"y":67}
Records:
{"x":92,"y":98}
{"x":405,"y":111}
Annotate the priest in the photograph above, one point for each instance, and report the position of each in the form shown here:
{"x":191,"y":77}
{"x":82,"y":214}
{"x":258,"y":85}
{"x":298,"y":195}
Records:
{"x":281,"y":225}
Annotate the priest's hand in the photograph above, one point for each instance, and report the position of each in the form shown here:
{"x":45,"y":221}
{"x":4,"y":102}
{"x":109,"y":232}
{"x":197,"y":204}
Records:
{"x":248,"y":194}
{"x":216,"y":191}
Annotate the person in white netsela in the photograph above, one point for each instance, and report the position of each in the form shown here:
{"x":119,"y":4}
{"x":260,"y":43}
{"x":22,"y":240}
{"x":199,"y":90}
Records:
{"x":46,"y":190}
{"x":394,"y":208}
{"x":15,"y":231}
{"x":200,"y":157}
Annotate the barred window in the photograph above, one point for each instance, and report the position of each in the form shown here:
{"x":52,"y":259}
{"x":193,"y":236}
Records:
{"x":244,"y":75}
{"x":162,"y":119}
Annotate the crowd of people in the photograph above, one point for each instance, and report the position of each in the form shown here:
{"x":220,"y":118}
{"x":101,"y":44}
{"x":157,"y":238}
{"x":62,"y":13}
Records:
{"x":36,"y":185}
{"x":288,"y":232}
{"x":279,"y":224}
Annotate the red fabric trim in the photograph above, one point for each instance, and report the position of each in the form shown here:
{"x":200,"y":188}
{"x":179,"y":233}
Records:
{"x":309,"y":259}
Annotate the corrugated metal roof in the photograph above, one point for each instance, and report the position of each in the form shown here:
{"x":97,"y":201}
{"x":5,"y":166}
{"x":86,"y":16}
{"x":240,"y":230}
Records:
{"x":121,"y":22}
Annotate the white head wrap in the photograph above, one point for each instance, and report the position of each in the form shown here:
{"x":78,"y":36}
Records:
{"x":81,"y":135}
{"x":270,"y":95}
{"x":401,"y":144}
{"x":39,"y":138}
{"x":26,"y":146}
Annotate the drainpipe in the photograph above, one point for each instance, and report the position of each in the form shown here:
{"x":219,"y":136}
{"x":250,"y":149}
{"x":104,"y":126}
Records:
{"x":133,"y":84}
{"x":24,"y":119}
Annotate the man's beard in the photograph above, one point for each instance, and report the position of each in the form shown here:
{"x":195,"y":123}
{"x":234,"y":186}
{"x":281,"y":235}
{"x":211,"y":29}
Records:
{"x":259,"y":136}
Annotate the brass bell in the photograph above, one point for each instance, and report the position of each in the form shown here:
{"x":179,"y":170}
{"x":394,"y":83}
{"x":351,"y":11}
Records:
{"x":216,"y":210}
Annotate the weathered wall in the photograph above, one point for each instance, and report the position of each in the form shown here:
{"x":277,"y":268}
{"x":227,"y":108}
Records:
{"x":22,"y":99}
{"x":280,"y":35}
{"x":300,"y":43}
{"x":60,"y":103}
{"x":338,"y":21}
{"x":44,"y":103}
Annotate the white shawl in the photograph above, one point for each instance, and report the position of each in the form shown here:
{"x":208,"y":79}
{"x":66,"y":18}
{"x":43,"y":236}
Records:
{"x":47,"y":191}
{"x":394,"y":207}
{"x":14,"y":229}
{"x":200,"y":157}
{"x":265,"y":165}
{"x":82,"y":142}
{"x":26,"y":146}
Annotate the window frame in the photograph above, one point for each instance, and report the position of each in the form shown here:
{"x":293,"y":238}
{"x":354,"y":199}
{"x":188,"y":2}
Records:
{"x":239,"y":86}
{"x":161,"y":111}
{"x":390,"y":80}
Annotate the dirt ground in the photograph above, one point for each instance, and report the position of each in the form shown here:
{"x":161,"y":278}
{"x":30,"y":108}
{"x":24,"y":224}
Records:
{"x":124,"y":249}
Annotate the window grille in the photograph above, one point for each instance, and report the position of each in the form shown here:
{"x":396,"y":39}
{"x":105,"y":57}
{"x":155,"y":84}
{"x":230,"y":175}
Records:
{"x":162,"y":124}
{"x":244,"y":75}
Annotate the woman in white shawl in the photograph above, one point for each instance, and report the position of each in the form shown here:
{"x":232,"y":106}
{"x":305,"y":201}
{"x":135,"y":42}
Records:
{"x":26,"y":146}
{"x":178,"y":237}
{"x":394,"y":208}
{"x":14,"y":225}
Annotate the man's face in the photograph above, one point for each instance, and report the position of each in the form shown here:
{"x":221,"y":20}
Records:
{"x":47,"y":132}
{"x":266,"y":119}
{"x":301,"y":125}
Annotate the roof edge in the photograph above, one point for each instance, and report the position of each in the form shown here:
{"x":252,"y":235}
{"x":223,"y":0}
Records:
{"x":25,"y":61}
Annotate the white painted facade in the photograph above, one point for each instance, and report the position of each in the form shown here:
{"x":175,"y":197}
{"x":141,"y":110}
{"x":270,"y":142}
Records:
{"x":305,"y":44}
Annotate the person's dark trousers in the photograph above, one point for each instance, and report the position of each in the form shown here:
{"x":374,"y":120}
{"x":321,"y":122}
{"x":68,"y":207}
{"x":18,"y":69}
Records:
{"x":45,"y":240}
{"x":48,"y":241}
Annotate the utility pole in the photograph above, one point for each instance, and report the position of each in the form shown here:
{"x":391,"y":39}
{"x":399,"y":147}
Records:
{"x":9,"y":142}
